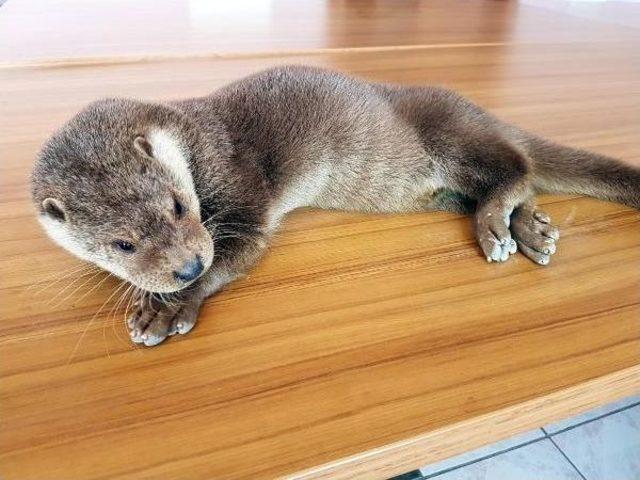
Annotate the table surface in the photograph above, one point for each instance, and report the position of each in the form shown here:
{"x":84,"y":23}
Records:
{"x":362,"y":345}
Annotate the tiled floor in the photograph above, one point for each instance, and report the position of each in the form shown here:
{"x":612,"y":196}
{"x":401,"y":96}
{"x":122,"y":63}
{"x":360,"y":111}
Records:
{"x":603,"y":444}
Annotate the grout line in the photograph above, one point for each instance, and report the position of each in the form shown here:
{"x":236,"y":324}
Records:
{"x":604,"y":415}
{"x":567,"y":458}
{"x":486,"y":457}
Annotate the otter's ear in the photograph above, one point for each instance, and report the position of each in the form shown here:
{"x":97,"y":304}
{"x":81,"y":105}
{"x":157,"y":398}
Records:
{"x":54,"y":209}
{"x":143,"y":146}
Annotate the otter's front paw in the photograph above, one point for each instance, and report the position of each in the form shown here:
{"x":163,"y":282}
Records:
{"x":155,"y":320}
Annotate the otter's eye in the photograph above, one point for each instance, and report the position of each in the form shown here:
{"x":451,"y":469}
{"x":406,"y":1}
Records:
{"x":179,"y":208}
{"x":125,"y":246}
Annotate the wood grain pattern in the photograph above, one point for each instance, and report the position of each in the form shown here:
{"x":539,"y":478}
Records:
{"x":77,"y":30}
{"x":390,"y":459}
{"x":361,"y":342}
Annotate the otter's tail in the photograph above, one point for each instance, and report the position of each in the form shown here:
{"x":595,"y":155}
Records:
{"x":560,"y":169}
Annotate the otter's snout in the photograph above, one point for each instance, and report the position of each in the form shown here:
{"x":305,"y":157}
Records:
{"x":190,"y":270}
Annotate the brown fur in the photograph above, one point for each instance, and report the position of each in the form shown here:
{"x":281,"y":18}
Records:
{"x":300,"y":136}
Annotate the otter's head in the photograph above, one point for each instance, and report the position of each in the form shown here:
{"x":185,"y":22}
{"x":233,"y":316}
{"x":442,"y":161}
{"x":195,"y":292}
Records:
{"x":114,"y":187}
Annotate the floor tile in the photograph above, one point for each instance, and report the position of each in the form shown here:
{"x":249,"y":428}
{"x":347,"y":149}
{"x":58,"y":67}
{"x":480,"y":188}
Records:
{"x":482,"y":452}
{"x":535,"y":461}
{"x":605,"y":449}
{"x":591,"y":414}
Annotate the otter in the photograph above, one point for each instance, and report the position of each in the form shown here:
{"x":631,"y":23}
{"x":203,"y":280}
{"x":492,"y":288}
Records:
{"x":181,"y":198}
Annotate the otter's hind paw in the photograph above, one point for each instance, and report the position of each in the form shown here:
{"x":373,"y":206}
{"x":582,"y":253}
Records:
{"x":494,"y":237}
{"x":535,"y":234}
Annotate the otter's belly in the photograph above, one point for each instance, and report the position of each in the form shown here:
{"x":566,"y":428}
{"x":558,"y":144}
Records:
{"x":379,"y":185}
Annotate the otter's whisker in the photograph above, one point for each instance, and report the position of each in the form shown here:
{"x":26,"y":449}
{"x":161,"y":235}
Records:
{"x":104,"y":337}
{"x":50,"y":284}
{"x":171,"y":301}
{"x":111,"y":319}
{"x":115,"y":306}
{"x":69,"y":285}
{"x":135,"y":294}
{"x":145,"y":297}
{"x":231,"y":208}
{"x":51,"y":280}
{"x":96,"y":286}
{"x":241,"y":224}
{"x":93,"y":275}
{"x":84,"y":332}
{"x":174,"y":301}
{"x":75,"y":290}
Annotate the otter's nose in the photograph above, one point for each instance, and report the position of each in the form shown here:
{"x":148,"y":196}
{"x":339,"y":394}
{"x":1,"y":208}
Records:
{"x":190,"y":270}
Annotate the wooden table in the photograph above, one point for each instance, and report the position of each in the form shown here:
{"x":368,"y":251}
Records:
{"x":362,"y":346}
